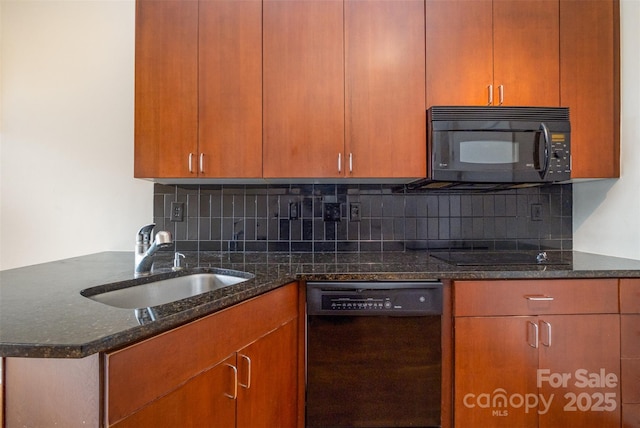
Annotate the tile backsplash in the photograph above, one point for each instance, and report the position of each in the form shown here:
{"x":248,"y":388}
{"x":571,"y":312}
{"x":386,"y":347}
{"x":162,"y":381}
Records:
{"x":292,"y":218}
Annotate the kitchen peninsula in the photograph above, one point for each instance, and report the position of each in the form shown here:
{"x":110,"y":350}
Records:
{"x":45,"y":320}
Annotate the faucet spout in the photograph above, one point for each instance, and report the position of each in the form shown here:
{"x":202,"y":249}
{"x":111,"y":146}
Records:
{"x":145,"y":249}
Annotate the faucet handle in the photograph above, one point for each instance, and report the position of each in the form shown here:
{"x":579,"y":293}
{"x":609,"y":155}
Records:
{"x":144,"y":234}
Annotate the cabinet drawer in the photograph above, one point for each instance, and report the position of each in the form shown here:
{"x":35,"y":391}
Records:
{"x":630,"y":296}
{"x":535,"y":297}
{"x":141,"y":373}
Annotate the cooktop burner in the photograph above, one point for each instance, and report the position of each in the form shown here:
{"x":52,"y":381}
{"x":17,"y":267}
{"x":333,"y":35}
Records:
{"x":497,"y":258}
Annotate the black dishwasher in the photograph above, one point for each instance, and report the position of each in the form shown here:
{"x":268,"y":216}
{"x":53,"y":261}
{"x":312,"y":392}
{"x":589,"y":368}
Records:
{"x":373,"y":354}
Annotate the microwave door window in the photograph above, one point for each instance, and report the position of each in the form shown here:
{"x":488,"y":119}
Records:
{"x":488,"y":152}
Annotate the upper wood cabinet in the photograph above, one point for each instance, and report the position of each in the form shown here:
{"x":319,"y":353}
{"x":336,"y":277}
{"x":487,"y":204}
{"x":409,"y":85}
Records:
{"x":344,"y":89}
{"x":385,"y":81}
{"x":590,"y":84}
{"x":303,"y":88}
{"x":230,"y":79}
{"x":500,"y":52}
{"x":198,"y":90}
{"x":339,"y":88}
{"x":166,"y":87}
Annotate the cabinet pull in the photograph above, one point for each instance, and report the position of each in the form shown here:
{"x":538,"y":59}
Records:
{"x":538,"y":298}
{"x":350,"y":162}
{"x":490,"y":88}
{"x":339,"y":162}
{"x":247,"y":384}
{"x":501,"y":94}
{"x":201,"y":162}
{"x":548,"y":341}
{"x":535,"y":334}
{"x":235,"y":383}
{"x":190,"y":163}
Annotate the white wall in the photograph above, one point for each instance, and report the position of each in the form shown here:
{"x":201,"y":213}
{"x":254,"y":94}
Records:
{"x":66,"y":131}
{"x":66,"y":137}
{"x":606,"y":214}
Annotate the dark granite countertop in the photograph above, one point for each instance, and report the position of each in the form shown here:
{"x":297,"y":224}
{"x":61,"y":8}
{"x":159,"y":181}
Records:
{"x":43,"y":314}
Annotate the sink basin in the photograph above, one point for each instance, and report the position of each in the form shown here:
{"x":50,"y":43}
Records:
{"x":165,"y":290}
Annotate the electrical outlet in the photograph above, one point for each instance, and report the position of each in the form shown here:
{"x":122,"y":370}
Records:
{"x":177,"y":211}
{"x":331,"y":211}
{"x":354,"y":211}
{"x":294,"y":210}
{"x":536,"y":212}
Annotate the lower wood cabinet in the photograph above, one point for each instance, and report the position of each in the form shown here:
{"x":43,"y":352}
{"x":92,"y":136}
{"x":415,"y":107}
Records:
{"x":630,"y":351}
{"x":536,"y":353}
{"x":235,"y":368}
{"x":254,"y":387}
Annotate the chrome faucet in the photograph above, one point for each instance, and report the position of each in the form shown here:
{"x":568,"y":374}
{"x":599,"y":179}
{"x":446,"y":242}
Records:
{"x":145,"y":249}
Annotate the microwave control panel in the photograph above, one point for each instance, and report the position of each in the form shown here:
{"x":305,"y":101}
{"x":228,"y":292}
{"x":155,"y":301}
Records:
{"x":560,"y":156}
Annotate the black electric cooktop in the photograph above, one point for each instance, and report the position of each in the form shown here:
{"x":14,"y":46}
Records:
{"x":501,"y":258}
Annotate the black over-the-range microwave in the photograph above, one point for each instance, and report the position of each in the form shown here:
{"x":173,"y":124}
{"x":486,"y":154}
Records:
{"x":498,"y":144}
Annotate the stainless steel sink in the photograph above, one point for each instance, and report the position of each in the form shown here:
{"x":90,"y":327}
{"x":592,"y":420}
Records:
{"x":165,"y":290}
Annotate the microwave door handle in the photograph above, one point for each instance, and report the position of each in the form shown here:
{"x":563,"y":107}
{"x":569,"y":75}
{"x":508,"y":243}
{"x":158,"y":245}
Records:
{"x":547,"y":149}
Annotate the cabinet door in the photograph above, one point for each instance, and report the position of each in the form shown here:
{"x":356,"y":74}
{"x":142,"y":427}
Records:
{"x":385,"y":79}
{"x":590,"y":85}
{"x":166,"y":87}
{"x":204,"y":398}
{"x":303,"y":88}
{"x":267,"y":380}
{"x":459,"y":52}
{"x":526,"y":52}
{"x":584,"y":350}
{"x":494,"y":360}
{"x":230,"y":92}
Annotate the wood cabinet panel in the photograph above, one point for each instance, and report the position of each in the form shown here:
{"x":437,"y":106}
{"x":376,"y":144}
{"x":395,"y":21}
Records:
{"x":385,"y":81}
{"x":179,"y":408}
{"x":630,"y":332}
{"x":145,"y":371}
{"x":630,"y":380}
{"x":166,"y":87}
{"x":303,"y":88}
{"x":580,"y":342}
{"x":230,"y":88}
{"x":267,"y":395}
{"x":67,"y":391}
{"x":526,"y":52}
{"x":509,"y":297}
{"x":459,"y":52}
{"x":630,"y":415}
{"x":590,"y":84}
{"x":630,"y":296}
{"x":492,"y":354}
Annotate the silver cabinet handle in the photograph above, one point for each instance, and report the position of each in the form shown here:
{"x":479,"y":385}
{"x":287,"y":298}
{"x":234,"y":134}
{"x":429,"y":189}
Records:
{"x":538,"y":298}
{"x":350,"y":162}
{"x":201,"y":162}
{"x":501,"y":92}
{"x":339,"y":162}
{"x":490,"y":88}
{"x":235,"y":382}
{"x":533,"y":326}
{"x":548,"y":341}
{"x":191,"y":163}
{"x":247,"y":384}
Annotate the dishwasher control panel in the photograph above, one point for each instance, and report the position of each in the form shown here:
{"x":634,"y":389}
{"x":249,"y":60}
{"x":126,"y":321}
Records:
{"x":377,"y":298}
